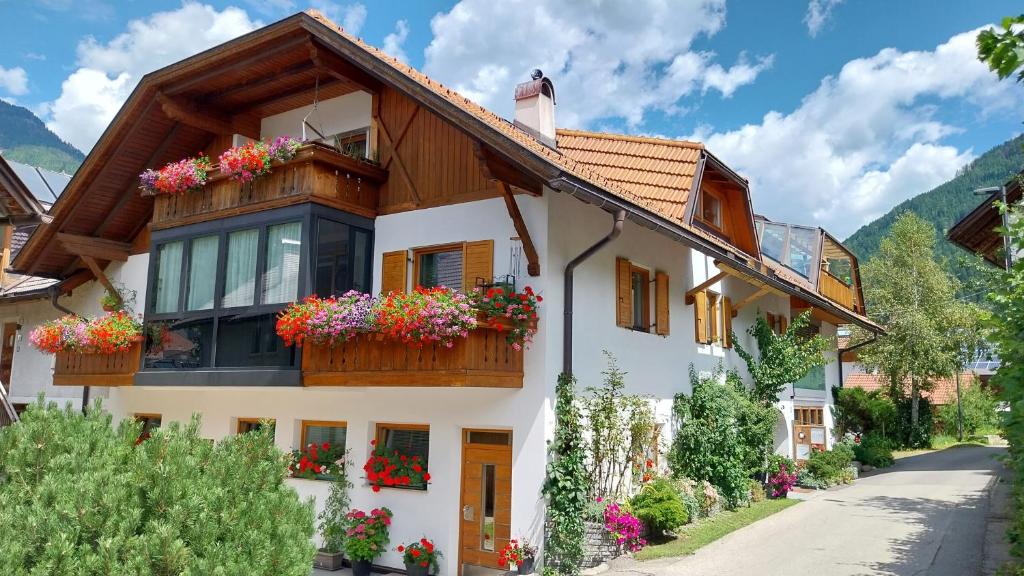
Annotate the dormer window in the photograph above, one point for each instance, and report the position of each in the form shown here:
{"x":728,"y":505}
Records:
{"x":709,"y":209}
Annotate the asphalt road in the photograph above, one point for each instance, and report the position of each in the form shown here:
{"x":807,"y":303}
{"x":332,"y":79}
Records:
{"x":924,"y":516}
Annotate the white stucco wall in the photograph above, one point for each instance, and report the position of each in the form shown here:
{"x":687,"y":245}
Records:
{"x":333,"y":116}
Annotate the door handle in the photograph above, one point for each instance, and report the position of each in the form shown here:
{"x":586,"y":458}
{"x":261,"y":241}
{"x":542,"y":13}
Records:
{"x":467,"y":513}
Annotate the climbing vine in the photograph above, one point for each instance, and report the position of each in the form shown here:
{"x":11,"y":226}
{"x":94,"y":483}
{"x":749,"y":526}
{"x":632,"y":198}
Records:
{"x":566,"y":485}
{"x":782,"y":358}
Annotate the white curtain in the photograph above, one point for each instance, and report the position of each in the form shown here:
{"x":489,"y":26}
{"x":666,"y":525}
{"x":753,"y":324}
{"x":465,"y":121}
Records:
{"x":168,"y":277}
{"x":202,"y":274}
{"x":284,"y":247}
{"x":240,"y":278}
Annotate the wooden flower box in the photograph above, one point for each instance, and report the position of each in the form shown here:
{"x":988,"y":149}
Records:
{"x":482,"y":359}
{"x":78,"y":369}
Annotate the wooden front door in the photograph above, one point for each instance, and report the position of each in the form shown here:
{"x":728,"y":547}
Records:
{"x":808,"y":431}
{"x":486,"y":513}
{"x":10,"y":334}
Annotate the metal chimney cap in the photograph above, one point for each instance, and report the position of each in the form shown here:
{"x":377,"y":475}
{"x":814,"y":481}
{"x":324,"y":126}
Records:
{"x":536,"y":74}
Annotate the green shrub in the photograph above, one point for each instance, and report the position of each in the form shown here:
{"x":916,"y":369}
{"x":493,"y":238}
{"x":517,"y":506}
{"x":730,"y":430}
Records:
{"x":708,"y":445}
{"x":78,"y":496}
{"x":906,"y":435}
{"x":860,"y":411}
{"x":979,"y":406}
{"x":830,"y":465}
{"x":805,"y":479}
{"x":874,"y":451}
{"x":688,"y":492}
{"x":660,"y":507}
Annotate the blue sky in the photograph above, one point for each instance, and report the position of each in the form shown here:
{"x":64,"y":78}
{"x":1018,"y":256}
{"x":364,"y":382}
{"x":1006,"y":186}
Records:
{"x":835,"y":110}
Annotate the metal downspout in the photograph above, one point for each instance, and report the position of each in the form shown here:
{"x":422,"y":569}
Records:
{"x":54,"y":294}
{"x":842,"y":351}
{"x":620,"y":219}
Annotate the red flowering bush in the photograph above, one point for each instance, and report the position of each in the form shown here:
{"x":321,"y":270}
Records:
{"x":177,"y":177}
{"x":422,"y":554}
{"x":367,"y":535}
{"x":108,"y":334}
{"x":425,"y":315}
{"x":317,"y":460}
{"x":245,"y":163}
{"x":512,"y":312}
{"x":394,"y":469}
{"x":515,"y":552}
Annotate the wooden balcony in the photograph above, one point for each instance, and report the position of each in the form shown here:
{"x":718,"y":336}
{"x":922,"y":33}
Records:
{"x":77,"y":369}
{"x":317,"y":173}
{"x":836,"y":290}
{"x":483,"y":359}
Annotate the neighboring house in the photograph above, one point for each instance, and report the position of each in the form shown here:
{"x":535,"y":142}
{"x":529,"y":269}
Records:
{"x":656,"y":239}
{"x":943,"y":390}
{"x":976,"y":232}
{"x":26,"y":193}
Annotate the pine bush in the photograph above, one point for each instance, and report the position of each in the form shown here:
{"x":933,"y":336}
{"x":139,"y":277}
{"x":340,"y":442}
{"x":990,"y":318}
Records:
{"x":81,"y":497}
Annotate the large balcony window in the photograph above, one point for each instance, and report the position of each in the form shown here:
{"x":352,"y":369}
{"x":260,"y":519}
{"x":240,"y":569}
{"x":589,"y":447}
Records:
{"x":216,"y":287}
{"x":794,"y":246}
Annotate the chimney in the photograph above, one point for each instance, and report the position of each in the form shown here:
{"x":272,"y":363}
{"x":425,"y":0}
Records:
{"x":535,"y":108}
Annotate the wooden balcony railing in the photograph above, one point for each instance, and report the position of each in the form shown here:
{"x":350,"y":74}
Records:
{"x":77,"y":369}
{"x":836,"y":290}
{"x":483,"y":359}
{"x":317,"y":173}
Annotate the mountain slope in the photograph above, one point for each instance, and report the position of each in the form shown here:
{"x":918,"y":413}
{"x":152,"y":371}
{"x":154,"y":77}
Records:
{"x":947,"y":203}
{"x":24,"y":138}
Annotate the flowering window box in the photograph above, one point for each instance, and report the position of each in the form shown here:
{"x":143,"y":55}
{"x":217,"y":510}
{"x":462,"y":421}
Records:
{"x":484,"y":358}
{"x":316,"y":173}
{"x":97,"y":369}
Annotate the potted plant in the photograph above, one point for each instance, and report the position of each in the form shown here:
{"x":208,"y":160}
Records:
{"x":333,"y":524}
{"x":366,"y":537}
{"x":394,"y":470}
{"x":420,"y":558}
{"x":519,"y":552}
{"x":111,"y":301}
{"x":317,"y":461}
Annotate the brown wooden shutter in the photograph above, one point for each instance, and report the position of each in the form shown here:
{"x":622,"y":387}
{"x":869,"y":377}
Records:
{"x":700,"y":316}
{"x":392,"y":272}
{"x":782,"y":325}
{"x":623,"y":293}
{"x":726,"y":322}
{"x":713,"y":319}
{"x":661,"y":322}
{"x":477,"y":262}
{"x":771,"y":320}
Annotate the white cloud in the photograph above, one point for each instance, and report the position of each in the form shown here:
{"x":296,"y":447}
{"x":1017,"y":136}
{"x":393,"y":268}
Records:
{"x":607,"y":59}
{"x":13,"y":80}
{"x":108,"y":72}
{"x":393,"y":42}
{"x":865,"y":139}
{"x":818,"y":13}
{"x":350,"y":16}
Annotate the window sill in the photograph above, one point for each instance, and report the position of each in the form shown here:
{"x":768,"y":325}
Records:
{"x":220,"y":377}
{"x":412,"y":489}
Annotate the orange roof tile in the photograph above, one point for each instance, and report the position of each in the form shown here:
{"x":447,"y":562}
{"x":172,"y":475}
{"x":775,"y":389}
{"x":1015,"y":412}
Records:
{"x":658,"y":170}
{"x":943,"y":390}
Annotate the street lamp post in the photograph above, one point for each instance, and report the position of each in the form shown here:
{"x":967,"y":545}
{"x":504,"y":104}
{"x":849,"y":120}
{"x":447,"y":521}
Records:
{"x":1007,"y":255}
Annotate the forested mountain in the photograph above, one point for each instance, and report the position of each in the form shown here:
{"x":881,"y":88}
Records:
{"x":24,"y":138}
{"x":947,"y":203}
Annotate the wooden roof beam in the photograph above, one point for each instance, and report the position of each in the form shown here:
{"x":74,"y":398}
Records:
{"x":703,"y":286}
{"x":749,"y":300}
{"x":342,"y":69}
{"x":532,"y":259}
{"x":189,"y":114}
{"x":497,"y":169}
{"x":96,"y":248}
{"x":238,"y":65}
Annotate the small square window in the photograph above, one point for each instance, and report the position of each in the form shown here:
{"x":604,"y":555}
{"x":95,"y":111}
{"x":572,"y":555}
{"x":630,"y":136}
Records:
{"x":409,"y":440}
{"x":251,"y":424}
{"x":440,"y":266}
{"x":149,"y":422}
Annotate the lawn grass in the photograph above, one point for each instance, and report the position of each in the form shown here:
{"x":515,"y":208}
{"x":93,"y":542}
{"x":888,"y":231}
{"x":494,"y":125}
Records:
{"x":705,"y":531}
{"x":944,"y":441}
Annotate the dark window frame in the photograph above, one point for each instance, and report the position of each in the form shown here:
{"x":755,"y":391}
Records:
{"x":309,"y":215}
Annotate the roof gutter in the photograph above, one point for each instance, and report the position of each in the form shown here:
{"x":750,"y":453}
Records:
{"x":590,"y":194}
{"x":841,"y":351}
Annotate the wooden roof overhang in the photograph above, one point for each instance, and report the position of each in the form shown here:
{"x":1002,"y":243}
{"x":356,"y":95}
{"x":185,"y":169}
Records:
{"x":17,"y":203}
{"x":826,"y":252}
{"x":976,"y":232}
{"x":711,"y":170}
